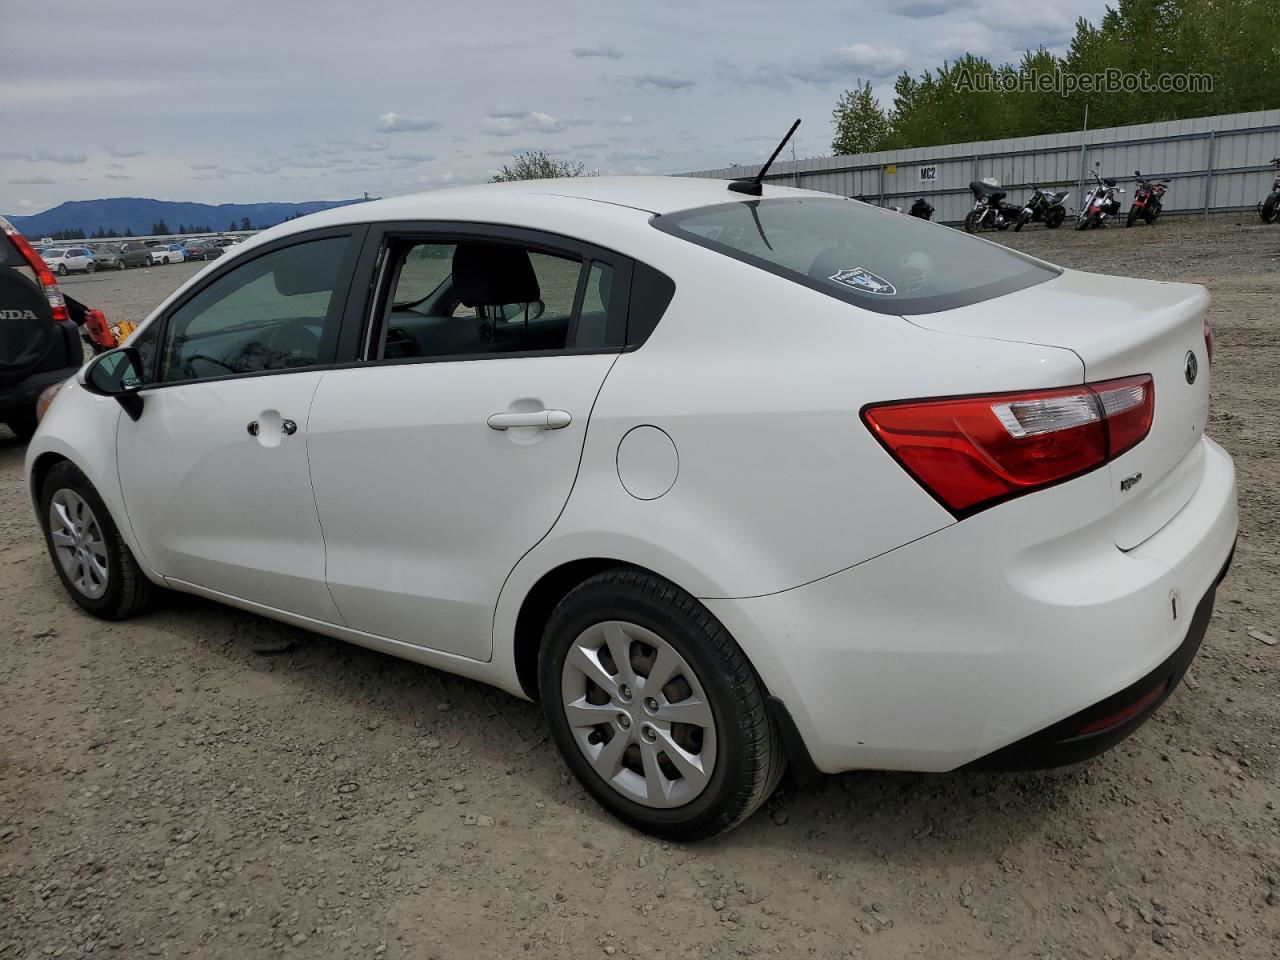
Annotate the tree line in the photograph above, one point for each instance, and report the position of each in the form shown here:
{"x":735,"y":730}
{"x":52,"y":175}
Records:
{"x":1232,"y":42}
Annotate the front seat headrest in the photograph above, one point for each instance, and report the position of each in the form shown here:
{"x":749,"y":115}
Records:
{"x":493,"y":274}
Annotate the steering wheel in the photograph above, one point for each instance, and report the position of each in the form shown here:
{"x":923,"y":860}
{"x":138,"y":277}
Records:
{"x":189,"y":369}
{"x":295,"y":339}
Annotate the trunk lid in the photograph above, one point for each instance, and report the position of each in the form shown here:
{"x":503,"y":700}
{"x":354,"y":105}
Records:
{"x":1119,"y":327}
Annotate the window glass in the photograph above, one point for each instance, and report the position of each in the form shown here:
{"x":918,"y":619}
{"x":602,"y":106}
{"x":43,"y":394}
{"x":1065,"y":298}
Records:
{"x":477,"y":297}
{"x":874,"y":258}
{"x":593,"y":321}
{"x":267,"y":314}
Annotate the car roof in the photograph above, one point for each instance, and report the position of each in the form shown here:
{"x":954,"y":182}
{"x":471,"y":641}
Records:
{"x":650,"y":195}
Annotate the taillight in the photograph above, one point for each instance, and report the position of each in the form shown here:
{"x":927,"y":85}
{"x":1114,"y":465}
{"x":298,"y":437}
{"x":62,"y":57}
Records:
{"x":971,"y":453}
{"x":41,"y":269}
{"x":1208,"y":340}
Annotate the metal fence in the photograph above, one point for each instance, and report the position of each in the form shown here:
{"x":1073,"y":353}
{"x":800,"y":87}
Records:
{"x":1212,"y":164}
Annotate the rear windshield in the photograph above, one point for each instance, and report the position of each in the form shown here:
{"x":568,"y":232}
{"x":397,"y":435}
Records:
{"x":875,"y":258}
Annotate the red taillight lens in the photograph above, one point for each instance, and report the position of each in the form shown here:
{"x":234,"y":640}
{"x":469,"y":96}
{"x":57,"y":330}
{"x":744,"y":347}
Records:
{"x":41,"y":269}
{"x":1208,"y":340}
{"x":974,"y":452}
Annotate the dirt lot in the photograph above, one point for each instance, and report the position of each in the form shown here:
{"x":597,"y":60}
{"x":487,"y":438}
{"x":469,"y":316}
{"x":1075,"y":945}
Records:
{"x":166,"y":792}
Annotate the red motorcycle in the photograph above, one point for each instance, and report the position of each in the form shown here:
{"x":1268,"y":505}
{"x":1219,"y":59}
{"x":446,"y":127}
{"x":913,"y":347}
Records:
{"x":1148,"y":198}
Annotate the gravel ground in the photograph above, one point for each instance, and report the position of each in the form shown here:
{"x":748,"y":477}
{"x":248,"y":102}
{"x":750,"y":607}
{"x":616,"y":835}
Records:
{"x":164,"y":791}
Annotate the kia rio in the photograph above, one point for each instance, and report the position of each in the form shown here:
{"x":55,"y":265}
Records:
{"x":728,"y":483}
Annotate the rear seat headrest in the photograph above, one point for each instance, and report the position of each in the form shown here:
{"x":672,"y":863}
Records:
{"x":493,"y":274}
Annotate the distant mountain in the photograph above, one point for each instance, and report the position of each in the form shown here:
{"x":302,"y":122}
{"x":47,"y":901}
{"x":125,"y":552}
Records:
{"x":139,"y":213}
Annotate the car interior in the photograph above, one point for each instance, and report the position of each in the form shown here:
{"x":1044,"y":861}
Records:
{"x":478,"y":297}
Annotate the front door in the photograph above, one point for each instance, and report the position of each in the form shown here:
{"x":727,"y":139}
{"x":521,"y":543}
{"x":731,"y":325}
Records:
{"x":214,"y":471}
{"x":450,"y":452}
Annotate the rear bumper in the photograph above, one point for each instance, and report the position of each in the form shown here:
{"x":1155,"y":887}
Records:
{"x":950,"y":649}
{"x":22,"y":396}
{"x":1100,"y":727}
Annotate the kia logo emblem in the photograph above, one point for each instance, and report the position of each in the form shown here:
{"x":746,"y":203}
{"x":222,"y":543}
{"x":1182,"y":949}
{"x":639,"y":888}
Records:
{"x":1191,"y":367}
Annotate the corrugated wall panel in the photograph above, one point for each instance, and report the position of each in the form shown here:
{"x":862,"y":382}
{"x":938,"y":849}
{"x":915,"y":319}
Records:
{"x":1244,"y":143}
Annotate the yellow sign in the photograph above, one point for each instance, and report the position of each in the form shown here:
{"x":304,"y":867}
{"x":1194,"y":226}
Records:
{"x":890,"y":168}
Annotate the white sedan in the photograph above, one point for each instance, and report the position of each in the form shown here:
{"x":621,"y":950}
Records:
{"x":726,"y":483}
{"x":64,"y":260}
{"x":167,"y":253}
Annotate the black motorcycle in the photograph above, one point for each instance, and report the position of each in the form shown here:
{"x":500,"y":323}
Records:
{"x":922,"y":208}
{"x":989,"y":207}
{"x":1269,"y":209}
{"x":1045,"y":207}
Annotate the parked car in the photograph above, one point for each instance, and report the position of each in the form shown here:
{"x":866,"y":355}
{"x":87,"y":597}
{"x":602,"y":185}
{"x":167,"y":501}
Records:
{"x":200,"y":250}
{"x":726,"y":482}
{"x":167,"y":253}
{"x":40,"y":332}
{"x":135,"y":253}
{"x":64,"y":260}
{"x":107,"y":256}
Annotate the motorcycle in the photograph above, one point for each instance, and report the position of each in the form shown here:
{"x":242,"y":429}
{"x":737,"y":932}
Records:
{"x":1101,"y":203}
{"x":1269,"y":209}
{"x":922,"y":208}
{"x":1148,"y":199}
{"x":1045,"y":207}
{"x":989,"y":208}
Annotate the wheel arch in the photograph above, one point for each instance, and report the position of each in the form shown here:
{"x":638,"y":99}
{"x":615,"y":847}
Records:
{"x":538,"y":603}
{"x":40,"y":470}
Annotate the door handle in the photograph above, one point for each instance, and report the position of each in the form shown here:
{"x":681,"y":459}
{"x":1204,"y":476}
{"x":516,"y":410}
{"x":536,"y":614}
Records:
{"x":287,"y":427}
{"x":540,"y":419}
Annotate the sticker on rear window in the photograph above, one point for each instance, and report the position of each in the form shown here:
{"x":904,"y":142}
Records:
{"x":864,"y":281}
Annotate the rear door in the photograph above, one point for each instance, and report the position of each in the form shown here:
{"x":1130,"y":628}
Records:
{"x":449,"y":446}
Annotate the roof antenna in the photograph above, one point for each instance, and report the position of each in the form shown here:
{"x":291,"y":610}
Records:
{"x":755,"y":186}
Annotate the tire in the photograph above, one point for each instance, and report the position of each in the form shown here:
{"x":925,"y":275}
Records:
{"x":1023,"y":219}
{"x":1133,"y":216}
{"x":655,"y":622}
{"x":90,"y":267}
{"x":120,"y":264}
{"x":1267,"y":210}
{"x":973,"y":222}
{"x":1053,"y":219}
{"x":22,"y":423}
{"x":126,"y":591}
{"x":1082,"y":223}
{"x":62,"y":269}
{"x":1153,"y":214}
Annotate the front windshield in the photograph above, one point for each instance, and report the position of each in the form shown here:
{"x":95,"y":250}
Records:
{"x":874,"y":258}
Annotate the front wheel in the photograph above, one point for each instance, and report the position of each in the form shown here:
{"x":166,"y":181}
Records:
{"x":91,"y":558}
{"x":973,"y":222}
{"x":1082,"y":222}
{"x":1269,"y":207}
{"x":90,"y":267}
{"x":1152,"y":214}
{"x":655,"y":708}
{"x":120,"y":264}
{"x":1133,"y":216}
{"x":1023,"y":219}
{"x":62,"y":269}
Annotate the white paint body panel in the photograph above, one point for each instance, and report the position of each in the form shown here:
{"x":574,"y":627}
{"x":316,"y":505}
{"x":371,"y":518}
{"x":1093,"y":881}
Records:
{"x":896,"y":636}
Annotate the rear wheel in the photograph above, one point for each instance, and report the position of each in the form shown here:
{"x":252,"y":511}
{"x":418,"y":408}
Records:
{"x":120,"y":264}
{"x":90,"y":267}
{"x":90,"y":557}
{"x":1053,"y":219}
{"x":655,"y":708}
{"x":1269,"y":208}
{"x":62,"y":269}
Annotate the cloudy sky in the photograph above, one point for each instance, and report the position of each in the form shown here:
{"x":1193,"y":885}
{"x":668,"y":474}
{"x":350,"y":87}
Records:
{"x":232,"y":101}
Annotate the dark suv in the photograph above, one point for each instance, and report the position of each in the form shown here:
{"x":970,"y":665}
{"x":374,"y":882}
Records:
{"x":40,"y":339}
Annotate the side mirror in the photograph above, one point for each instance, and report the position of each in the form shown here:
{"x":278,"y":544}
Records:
{"x":118,"y":374}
